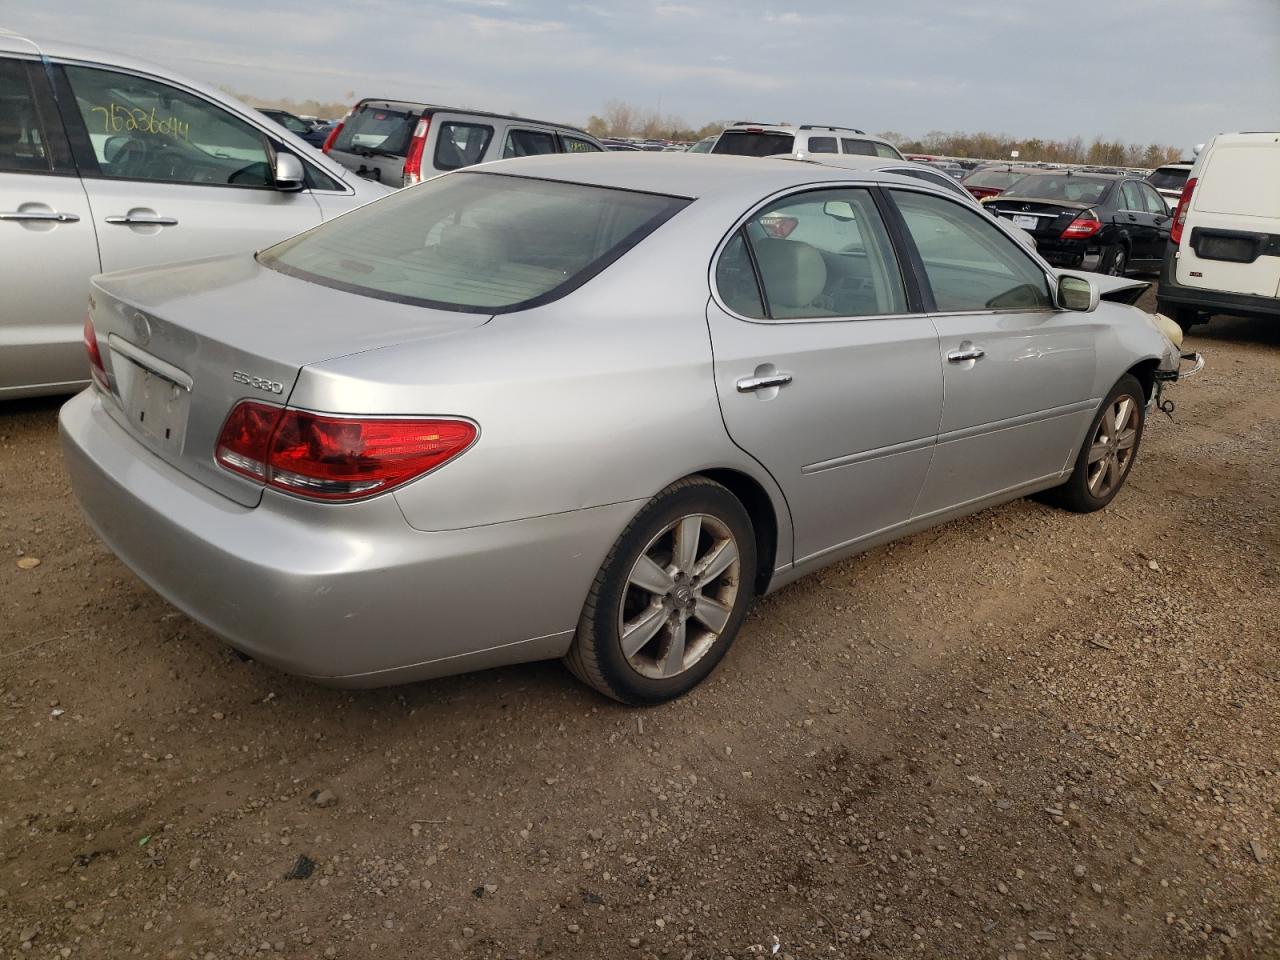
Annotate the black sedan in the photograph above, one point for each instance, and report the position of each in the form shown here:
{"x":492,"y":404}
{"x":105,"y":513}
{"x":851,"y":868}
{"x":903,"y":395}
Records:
{"x":313,"y":133}
{"x":1107,"y":223}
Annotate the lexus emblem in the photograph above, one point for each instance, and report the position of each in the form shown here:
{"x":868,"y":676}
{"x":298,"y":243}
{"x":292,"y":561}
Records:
{"x":141,"y":330}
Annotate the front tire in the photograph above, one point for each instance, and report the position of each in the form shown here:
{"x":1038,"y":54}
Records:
{"x":670,"y":596}
{"x":1108,"y":453}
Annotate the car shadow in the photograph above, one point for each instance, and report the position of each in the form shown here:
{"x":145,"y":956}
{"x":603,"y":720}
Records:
{"x":36,"y":407}
{"x":1226,"y":329}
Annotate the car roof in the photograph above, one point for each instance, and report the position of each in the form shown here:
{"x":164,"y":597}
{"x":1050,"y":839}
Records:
{"x":682,"y":174}
{"x":408,"y":105}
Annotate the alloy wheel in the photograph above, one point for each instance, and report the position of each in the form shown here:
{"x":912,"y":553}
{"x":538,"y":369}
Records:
{"x":1111,"y":450}
{"x":1118,"y":263}
{"x":679,"y":596}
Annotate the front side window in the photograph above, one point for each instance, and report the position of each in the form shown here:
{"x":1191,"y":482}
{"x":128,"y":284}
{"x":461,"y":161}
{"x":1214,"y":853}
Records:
{"x":22,"y":143}
{"x":869,"y":148}
{"x":529,"y":143}
{"x":823,"y":253}
{"x":475,"y":242}
{"x":574,"y":144}
{"x":1155,"y":203}
{"x":142,"y":129}
{"x":970,"y":263}
{"x":460,"y":145}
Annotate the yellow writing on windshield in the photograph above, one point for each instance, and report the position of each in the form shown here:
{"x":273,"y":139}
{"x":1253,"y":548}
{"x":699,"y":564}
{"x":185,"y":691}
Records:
{"x":117,"y":118}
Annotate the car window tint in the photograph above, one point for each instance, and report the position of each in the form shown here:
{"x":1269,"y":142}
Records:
{"x":475,"y":242}
{"x":1155,"y":203}
{"x":372,"y":128}
{"x":577,"y":144}
{"x":141,"y":129}
{"x":736,"y":279}
{"x":1131,"y":197}
{"x":970,"y":263}
{"x":886,"y":151}
{"x":22,"y":144}
{"x":863,"y":148}
{"x":825,"y":253}
{"x":529,"y":143}
{"x":822,"y":145}
{"x":461,"y":144}
{"x":747,"y":143}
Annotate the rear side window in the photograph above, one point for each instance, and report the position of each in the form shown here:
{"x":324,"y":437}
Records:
{"x":475,"y":242}
{"x":823,"y":145}
{"x":819,"y":254}
{"x":461,"y":145}
{"x":1131,"y":197}
{"x":970,"y":263}
{"x":742,"y":143}
{"x":574,"y":144}
{"x":736,"y":280}
{"x":142,"y":129}
{"x":376,"y":130}
{"x":529,"y":143}
{"x":22,"y":143}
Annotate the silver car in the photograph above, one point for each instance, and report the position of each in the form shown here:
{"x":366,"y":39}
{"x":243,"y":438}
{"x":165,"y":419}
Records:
{"x":107,"y":163}
{"x":587,"y":407}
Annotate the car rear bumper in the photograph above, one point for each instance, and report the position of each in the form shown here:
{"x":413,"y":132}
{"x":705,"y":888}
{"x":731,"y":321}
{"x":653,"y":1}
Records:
{"x":1071,"y":254}
{"x":347,"y":594}
{"x":1174,"y":294}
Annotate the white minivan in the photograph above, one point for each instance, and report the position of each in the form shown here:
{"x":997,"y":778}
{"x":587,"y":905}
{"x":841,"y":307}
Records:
{"x":1223,"y":254}
{"x":108,"y":163}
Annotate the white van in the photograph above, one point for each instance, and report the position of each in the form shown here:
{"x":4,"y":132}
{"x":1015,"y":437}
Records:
{"x":1223,"y":254}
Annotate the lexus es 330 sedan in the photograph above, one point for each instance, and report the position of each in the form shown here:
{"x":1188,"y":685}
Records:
{"x":586,"y":407}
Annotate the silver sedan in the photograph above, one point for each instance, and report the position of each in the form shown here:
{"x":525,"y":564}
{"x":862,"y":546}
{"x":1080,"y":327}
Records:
{"x":587,"y":407}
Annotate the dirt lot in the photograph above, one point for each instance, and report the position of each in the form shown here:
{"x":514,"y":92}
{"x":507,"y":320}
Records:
{"x":1025,"y":733}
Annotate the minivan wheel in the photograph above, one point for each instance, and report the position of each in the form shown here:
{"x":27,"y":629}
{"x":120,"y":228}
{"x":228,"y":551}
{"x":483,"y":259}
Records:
{"x":670,"y":596}
{"x":1108,"y":453}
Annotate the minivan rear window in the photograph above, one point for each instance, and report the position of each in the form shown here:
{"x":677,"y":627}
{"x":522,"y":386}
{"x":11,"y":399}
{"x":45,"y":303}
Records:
{"x":743,"y":143}
{"x":475,"y":242}
{"x":376,"y":130}
{"x":1168,"y":178}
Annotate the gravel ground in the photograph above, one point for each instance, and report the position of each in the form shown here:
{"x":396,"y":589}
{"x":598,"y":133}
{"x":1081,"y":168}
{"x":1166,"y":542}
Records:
{"x":1026,"y":733}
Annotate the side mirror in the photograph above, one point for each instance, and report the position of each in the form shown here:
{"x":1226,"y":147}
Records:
{"x":1077,"y":293}
{"x":289,"y":175}
{"x":839,"y":210}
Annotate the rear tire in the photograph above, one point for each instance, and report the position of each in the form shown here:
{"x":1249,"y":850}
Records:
{"x":670,"y":596}
{"x":1108,"y":453}
{"x":1118,"y":262}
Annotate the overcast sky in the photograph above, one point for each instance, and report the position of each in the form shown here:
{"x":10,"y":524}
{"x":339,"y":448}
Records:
{"x":1170,"y":71}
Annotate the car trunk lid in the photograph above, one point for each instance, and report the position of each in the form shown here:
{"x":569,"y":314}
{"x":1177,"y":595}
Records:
{"x":1040,"y":218}
{"x":182,"y":344}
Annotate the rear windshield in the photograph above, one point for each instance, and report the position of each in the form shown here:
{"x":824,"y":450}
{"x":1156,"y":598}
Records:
{"x":375,"y":130}
{"x":475,"y":242}
{"x":995,"y":179}
{"x":740,"y":143}
{"x":1167,"y":178}
{"x":1061,"y":187}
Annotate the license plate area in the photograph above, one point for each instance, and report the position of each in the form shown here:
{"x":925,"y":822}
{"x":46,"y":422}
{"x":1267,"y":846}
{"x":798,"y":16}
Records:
{"x":156,"y":398}
{"x":1026,"y":223}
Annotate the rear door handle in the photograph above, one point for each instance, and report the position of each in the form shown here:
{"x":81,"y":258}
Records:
{"x":967,"y":351}
{"x":36,"y":215}
{"x":141,"y":220}
{"x":748,"y":384}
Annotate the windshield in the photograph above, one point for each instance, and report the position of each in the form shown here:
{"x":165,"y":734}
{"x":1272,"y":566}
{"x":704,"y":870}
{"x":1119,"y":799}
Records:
{"x":475,"y":242}
{"x":1061,"y":187}
{"x":996,"y":179}
{"x":375,"y":129}
{"x":703,"y":146}
{"x":1168,"y":178}
{"x":742,"y":143}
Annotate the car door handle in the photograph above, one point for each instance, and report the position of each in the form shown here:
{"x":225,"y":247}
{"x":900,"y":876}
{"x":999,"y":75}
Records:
{"x":35,"y":215}
{"x":969,"y":352}
{"x":748,"y":384}
{"x":142,"y":220}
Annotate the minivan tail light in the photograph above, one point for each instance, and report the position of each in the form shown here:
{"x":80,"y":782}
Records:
{"x":337,"y":129}
{"x":413,"y":158}
{"x":335,"y":458}
{"x":1085,"y":225}
{"x":1180,"y":214}
{"x":96,"y":368}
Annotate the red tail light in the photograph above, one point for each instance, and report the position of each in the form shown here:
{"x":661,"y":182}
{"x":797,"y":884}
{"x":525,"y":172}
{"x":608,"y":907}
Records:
{"x":779,"y":227}
{"x":413,"y":159}
{"x":96,"y":368}
{"x":335,"y":458}
{"x":1085,"y":225}
{"x":1180,"y":214}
